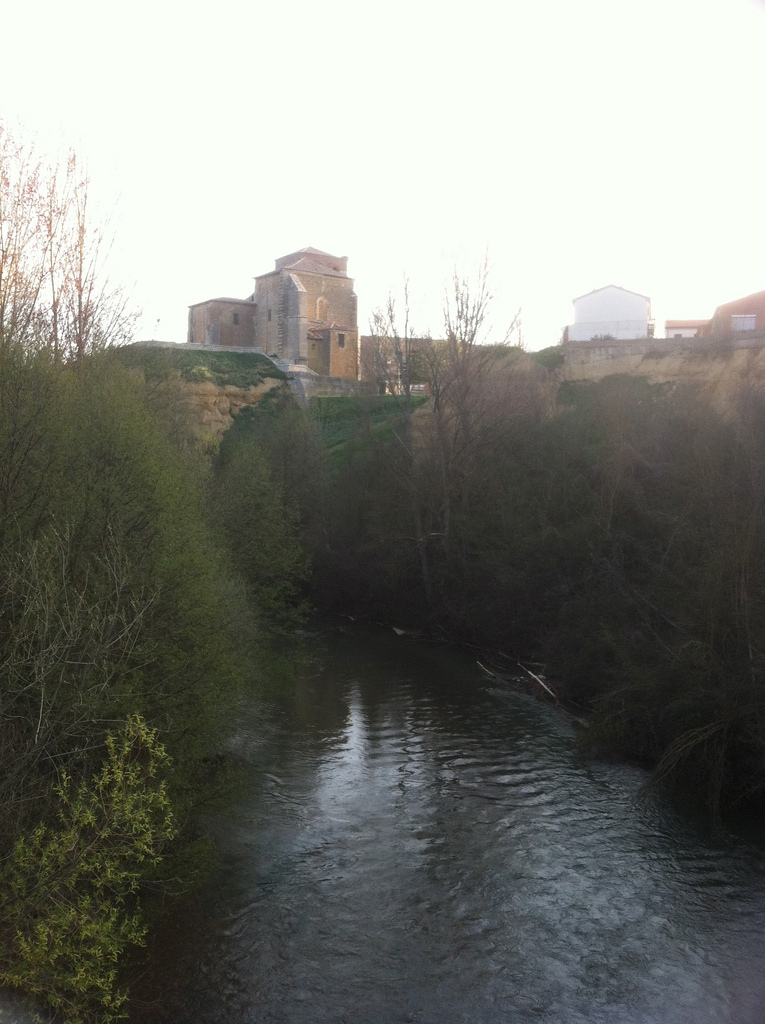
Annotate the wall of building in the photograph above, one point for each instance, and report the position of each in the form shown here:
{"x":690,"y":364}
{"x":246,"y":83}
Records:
{"x":293,"y":318}
{"x":582,"y":353}
{"x":229,"y":322}
{"x":268,"y":297}
{"x":318,"y":352}
{"x":334,"y":353}
{"x":331,"y":296}
{"x":610,"y":311}
{"x":344,"y":354}
{"x":305,"y":386}
{"x":750,"y":305}
{"x":295,"y":298}
{"x":681,"y":330}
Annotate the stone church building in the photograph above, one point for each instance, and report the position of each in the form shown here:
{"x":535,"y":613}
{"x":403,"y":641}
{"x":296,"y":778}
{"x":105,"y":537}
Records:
{"x":304,"y":311}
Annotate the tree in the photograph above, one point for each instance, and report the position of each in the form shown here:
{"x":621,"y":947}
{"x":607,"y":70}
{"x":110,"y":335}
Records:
{"x":395,"y":350}
{"x":434,"y":457}
{"x":468,"y":414}
{"x":21,"y":245}
{"x":68,"y":906}
{"x":67,"y":650}
{"x":54,"y":289}
{"x":397,"y":359}
{"x":262,"y":532}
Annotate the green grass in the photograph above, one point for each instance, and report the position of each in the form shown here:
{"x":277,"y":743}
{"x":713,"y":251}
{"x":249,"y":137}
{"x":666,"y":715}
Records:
{"x":239,"y":369}
{"x":342,"y":420}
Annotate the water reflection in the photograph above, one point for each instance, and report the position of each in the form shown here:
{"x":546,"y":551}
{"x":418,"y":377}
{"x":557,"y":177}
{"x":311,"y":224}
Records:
{"x":419,"y":844}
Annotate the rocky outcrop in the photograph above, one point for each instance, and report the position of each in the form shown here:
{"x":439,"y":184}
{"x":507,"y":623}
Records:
{"x":216,"y":405}
{"x":723,"y":375}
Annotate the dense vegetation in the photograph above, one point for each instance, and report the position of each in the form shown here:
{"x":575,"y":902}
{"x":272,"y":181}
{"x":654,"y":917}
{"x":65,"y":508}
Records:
{"x":127,"y":625}
{"x":614,"y":531}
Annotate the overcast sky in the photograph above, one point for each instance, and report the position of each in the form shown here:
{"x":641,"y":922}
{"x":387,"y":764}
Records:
{"x":580,"y":143}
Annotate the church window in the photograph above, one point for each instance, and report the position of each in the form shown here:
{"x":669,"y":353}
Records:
{"x":341,"y":341}
{"x":269,"y":316}
{"x":236,"y":318}
{"x":321,"y":308}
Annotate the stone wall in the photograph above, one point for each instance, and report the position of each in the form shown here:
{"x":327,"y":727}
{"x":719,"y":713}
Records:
{"x":306,"y":385}
{"x":344,"y":354}
{"x":267,"y":334}
{"x":293,"y":318}
{"x":587,"y":353}
{"x":334,"y":353}
{"x":296,"y":300}
{"x":228,"y":322}
{"x":338,"y":297}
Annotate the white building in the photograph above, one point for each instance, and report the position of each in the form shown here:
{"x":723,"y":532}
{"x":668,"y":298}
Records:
{"x":683,"y":328}
{"x":611,"y":312}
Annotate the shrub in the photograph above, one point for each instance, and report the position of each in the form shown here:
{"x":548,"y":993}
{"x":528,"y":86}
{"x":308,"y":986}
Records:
{"x":69,"y":905}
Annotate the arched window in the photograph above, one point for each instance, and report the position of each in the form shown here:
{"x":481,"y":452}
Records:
{"x":321,"y":308}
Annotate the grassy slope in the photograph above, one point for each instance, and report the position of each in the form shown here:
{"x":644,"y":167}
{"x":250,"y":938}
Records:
{"x":341,"y":419}
{"x":239,"y":369}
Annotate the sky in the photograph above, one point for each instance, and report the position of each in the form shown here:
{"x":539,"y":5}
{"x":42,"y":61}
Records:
{"x":574,"y":145}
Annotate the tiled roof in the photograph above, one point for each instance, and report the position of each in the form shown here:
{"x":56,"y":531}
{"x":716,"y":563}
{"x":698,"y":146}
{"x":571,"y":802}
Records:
{"x":224,"y":298}
{"x":318,"y":329}
{"x":309,"y":266}
{"x":305,"y":265}
{"x":309,"y":250}
{"x":748,"y":303}
{"x":684,"y":323}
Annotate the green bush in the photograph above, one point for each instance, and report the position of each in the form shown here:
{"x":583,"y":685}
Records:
{"x":68,"y":906}
{"x":117,"y":600}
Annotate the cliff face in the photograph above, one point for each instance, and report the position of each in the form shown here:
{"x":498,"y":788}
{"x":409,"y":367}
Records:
{"x":723,"y":376}
{"x":214,"y":406}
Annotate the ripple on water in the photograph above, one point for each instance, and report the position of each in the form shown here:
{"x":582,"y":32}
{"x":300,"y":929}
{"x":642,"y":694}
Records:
{"x":417,"y":848}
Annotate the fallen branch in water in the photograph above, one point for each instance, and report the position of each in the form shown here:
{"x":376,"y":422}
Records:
{"x":502,"y":679}
{"x":541,"y":682}
{"x":489,"y":672}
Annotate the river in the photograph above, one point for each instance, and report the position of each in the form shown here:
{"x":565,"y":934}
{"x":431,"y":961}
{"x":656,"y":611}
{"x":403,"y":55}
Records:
{"x":416,"y":842}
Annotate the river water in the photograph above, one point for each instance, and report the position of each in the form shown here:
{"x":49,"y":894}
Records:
{"x":417,"y":842}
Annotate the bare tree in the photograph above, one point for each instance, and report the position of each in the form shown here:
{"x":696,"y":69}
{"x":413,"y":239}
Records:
{"x":67,"y":648}
{"x":394,"y":353}
{"x":54,"y":289}
{"x":95,"y":311}
{"x":461,"y":375}
{"x":21,"y":242}
{"x":394,"y":348}
{"x":441,"y":454}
